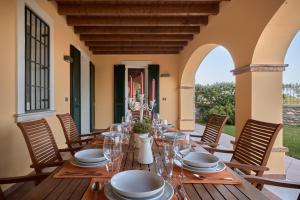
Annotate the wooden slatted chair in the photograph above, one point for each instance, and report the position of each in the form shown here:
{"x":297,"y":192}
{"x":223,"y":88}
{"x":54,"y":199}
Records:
{"x":41,"y":145}
{"x":72,"y":135}
{"x":213,"y":130}
{"x":253,"y":147}
{"x":273,"y":182}
{"x":37,"y":178}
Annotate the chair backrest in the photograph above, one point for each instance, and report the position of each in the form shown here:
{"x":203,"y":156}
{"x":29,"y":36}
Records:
{"x":213,"y":128}
{"x":40,"y":142}
{"x":69,"y":127}
{"x":255,"y":144}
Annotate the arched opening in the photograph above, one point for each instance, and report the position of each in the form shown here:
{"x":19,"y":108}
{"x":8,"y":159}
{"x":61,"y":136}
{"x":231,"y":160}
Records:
{"x":215,"y":88}
{"x":291,"y":99}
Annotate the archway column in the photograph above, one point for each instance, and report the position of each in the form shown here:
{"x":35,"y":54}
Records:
{"x":187,"y":111}
{"x":259,"y":96}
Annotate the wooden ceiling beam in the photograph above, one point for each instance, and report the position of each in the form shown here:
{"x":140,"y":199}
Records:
{"x":139,"y":1}
{"x":133,"y":52}
{"x":138,"y":10}
{"x":129,"y":37}
{"x":137,"y":29}
{"x":134,"y":43}
{"x":137,"y":21}
{"x":139,"y":48}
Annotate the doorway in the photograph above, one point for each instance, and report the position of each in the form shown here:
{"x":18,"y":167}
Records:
{"x":75,"y":86}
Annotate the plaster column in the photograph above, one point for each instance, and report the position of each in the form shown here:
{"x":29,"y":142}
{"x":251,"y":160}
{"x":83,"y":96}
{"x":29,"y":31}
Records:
{"x":259,"y":96}
{"x":187,"y":114}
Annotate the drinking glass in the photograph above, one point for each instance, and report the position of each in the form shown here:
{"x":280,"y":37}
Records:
{"x":159,"y":166}
{"x":181,"y":148}
{"x":112,"y":149}
{"x":164,"y":167}
{"x":168,"y":161}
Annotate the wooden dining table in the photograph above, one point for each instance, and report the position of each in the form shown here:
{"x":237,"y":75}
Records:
{"x":75,"y":188}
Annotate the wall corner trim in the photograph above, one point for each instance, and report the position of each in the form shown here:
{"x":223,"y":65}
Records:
{"x":259,"y":68}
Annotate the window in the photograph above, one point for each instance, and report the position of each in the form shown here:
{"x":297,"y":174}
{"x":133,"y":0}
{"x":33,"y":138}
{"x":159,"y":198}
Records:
{"x":37,"y":64}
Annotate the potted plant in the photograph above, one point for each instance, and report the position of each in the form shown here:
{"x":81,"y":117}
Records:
{"x":141,"y":129}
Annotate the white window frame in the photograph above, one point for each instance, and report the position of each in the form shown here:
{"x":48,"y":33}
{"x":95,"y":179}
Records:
{"x":21,"y":115}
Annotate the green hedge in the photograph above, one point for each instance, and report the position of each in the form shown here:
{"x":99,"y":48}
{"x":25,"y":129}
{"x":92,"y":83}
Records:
{"x":217,"y":98}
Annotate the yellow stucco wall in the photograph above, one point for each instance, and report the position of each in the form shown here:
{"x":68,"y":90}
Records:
{"x":104,"y":85}
{"x":15,"y":159}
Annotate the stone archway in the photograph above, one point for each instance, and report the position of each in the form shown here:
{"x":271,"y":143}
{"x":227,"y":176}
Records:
{"x":250,"y":41}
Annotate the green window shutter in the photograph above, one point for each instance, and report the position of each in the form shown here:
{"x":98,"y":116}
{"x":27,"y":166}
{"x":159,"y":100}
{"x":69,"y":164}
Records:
{"x":119,"y":93}
{"x":153,"y":73}
{"x":75,"y":90}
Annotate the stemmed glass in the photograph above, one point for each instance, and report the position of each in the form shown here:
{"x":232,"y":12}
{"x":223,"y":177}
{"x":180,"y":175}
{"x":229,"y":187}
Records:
{"x":181,"y":148}
{"x":112,"y":149}
{"x":164,"y":167}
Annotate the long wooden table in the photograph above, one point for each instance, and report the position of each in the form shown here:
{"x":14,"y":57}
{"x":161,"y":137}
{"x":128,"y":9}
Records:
{"x":70,"y":188}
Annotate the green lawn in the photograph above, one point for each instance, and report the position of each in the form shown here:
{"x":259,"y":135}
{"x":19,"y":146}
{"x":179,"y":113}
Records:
{"x":291,"y":138}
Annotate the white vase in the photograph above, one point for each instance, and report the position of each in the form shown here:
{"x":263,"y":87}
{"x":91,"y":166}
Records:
{"x":137,"y":138}
{"x":145,"y":155}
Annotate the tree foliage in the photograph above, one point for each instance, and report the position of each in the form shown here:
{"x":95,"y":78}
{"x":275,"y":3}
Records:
{"x":217,"y":98}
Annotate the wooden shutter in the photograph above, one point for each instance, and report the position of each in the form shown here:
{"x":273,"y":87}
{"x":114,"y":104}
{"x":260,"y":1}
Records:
{"x":153,"y":73}
{"x":75,"y":90}
{"x":119,"y":93}
{"x":92,"y":96}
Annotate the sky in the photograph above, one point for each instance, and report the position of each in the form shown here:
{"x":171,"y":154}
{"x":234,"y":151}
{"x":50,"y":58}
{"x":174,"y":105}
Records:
{"x":217,"y":64}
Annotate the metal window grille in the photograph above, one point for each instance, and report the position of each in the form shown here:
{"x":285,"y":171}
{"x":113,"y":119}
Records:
{"x":37,"y":62}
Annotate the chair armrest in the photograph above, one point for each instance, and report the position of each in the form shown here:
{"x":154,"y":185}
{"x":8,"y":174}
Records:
{"x":197,"y":136}
{"x":33,"y":177}
{"x":211,"y":144}
{"x":80,"y":141}
{"x":95,"y":132}
{"x":246,"y":166}
{"x":45,"y":165}
{"x":70,"y":149}
{"x":218,"y":150}
{"x":274,"y":182}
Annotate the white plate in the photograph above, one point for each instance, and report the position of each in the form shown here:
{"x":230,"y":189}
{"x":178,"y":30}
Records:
{"x":111,"y":134}
{"x":167,"y":194}
{"x":173,"y":135}
{"x":197,"y":159}
{"x":90,"y":155}
{"x":77,"y":164}
{"x":137,"y":183}
{"x":207,"y":170}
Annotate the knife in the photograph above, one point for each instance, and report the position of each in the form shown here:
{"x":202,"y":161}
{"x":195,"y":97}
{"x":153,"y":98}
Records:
{"x":182,"y":192}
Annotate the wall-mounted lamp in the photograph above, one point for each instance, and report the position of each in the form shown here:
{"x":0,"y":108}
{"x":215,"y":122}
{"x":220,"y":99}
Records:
{"x":165,"y":75}
{"x":68,"y":59}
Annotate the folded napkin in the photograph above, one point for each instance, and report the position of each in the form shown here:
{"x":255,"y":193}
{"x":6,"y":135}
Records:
{"x":212,"y":178}
{"x":70,"y":171}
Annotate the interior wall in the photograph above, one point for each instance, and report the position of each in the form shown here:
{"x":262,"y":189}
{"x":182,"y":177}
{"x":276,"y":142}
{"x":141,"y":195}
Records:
{"x":15,"y":159}
{"x":104,"y":85}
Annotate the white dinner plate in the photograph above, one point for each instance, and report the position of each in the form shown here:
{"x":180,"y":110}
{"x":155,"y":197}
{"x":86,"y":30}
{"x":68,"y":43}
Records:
{"x":90,"y":155}
{"x":173,"y":135}
{"x":166,"y":194}
{"x":197,"y":159}
{"x":137,"y":183}
{"x":78,"y":164}
{"x":205,"y":170}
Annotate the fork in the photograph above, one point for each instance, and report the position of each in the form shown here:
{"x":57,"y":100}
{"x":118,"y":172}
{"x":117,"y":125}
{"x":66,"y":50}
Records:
{"x":214,"y":178}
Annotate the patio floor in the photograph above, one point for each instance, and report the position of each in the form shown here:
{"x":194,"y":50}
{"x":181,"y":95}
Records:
{"x":292,"y":166}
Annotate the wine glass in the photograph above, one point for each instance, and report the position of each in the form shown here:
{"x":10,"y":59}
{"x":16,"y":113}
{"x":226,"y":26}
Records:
{"x":181,"y":148}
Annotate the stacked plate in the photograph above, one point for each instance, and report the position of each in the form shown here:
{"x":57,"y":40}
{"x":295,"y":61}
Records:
{"x":138,"y":185}
{"x":89,"y":158}
{"x":201,"y":163}
{"x":174,"y":135}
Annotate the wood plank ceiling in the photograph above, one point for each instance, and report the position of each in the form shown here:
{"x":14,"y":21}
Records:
{"x":137,"y":26}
